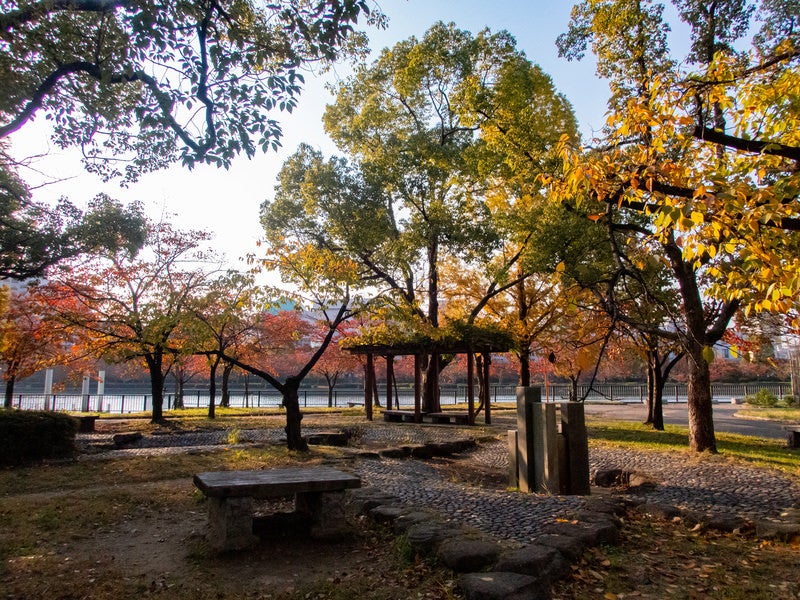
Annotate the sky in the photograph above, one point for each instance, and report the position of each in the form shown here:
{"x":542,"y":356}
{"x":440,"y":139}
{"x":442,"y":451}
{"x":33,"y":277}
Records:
{"x":226,"y":203}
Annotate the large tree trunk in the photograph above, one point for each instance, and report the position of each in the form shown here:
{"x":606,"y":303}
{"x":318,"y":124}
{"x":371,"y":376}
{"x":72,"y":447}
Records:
{"x":524,"y":358}
{"x":9,"y":399}
{"x":430,"y":384}
{"x":701,"y":419}
{"x":154,"y":363}
{"x":291,"y":402}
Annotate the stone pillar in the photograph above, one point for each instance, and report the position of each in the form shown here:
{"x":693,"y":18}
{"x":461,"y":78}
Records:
{"x":326,"y":511}
{"x":513,"y":460}
{"x":525,"y":451}
{"x":545,"y":442}
{"x":573,"y":426}
{"x":230,"y":523}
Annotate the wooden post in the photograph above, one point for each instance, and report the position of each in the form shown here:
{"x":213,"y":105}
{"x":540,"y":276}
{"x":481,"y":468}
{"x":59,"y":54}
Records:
{"x":368,"y":375}
{"x":389,"y":381}
{"x":471,"y":388}
{"x":487,"y":409}
{"x":417,"y":389}
{"x":525,"y":454}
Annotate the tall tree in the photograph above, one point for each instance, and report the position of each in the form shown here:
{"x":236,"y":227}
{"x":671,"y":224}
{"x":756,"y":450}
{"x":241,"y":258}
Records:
{"x":708,"y":159}
{"x":413,"y":192}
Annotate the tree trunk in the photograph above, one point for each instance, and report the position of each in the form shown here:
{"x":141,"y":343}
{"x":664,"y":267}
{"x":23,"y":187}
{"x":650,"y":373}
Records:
{"x":226,"y":393}
{"x":573,"y":391}
{"x":291,"y":402}
{"x":701,"y":419}
{"x":655,"y":391}
{"x":179,"y":393}
{"x":524,"y":358}
{"x":212,"y":388}
{"x":9,"y":399}
{"x":430,"y":384}
{"x":331,"y":380}
{"x":154,"y":362}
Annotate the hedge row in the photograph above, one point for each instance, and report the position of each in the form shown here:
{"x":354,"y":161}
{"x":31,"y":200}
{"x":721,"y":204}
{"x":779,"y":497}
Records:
{"x":27,"y":436}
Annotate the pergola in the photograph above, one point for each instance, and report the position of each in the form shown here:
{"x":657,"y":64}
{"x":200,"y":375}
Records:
{"x":434,"y":350}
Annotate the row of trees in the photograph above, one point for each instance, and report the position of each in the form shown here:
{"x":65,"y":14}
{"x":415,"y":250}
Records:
{"x":464,"y":195}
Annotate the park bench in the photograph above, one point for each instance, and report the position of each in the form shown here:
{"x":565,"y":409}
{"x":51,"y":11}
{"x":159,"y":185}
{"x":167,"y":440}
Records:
{"x":318,"y":495}
{"x":447,"y":418}
{"x":399,"y":416}
{"x":793,"y":436}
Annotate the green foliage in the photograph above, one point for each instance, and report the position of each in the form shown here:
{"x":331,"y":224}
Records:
{"x":35,"y":237}
{"x":27,"y":436}
{"x":156,"y":83}
{"x":790,"y":401}
{"x":762,"y":398}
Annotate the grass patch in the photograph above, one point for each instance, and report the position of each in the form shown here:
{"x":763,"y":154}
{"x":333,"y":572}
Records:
{"x":143,"y":469}
{"x":788,"y":415}
{"x":761,"y":452}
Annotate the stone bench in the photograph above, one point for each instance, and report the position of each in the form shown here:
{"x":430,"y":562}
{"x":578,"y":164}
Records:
{"x":399,"y":416}
{"x":318,"y":494}
{"x":447,"y":418}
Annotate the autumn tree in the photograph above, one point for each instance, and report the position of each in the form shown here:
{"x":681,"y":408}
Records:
{"x":706,"y":155}
{"x":413,"y":189}
{"x":131,"y":308}
{"x":30,"y":338}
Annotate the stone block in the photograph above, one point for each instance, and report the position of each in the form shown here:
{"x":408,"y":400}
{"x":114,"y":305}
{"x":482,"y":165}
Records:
{"x":230,"y":523}
{"x":464,"y":555}
{"x":503,"y":586}
{"x":543,"y":562}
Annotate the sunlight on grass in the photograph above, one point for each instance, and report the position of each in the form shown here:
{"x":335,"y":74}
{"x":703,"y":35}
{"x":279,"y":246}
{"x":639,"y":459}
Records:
{"x":788,"y":415}
{"x":762,"y":452}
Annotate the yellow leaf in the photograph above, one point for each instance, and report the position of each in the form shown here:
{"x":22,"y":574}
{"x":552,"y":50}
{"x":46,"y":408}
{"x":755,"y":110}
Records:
{"x":560,"y":267}
{"x":708,"y":354}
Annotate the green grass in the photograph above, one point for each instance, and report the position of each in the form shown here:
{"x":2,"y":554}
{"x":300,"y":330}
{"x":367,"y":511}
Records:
{"x":762,"y":452}
{"x":788,"y":415}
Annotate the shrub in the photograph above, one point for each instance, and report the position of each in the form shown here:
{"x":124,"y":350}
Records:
{"x":27,"y":436}
{"x":762,"y":398}
{"x":789,"y":400}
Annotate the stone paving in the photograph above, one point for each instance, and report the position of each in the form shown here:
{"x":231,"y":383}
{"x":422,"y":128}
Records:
{"x":709,"y":484}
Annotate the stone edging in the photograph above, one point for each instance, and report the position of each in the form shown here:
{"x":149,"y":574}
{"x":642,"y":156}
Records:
{"x":489,"y":570}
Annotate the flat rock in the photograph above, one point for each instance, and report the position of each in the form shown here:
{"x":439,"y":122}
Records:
{"x":591,"y":534}
{"x":464,"y":555}
{"x":543,"y":562}
{"x":572,"y":548}
{"x":426,"y":536}
{"x":776,"y":530}
{"x":659,"y":511}
{"x":409,"y":518}
{"x":386,"y":514}
{"x":125,"y":439}
{"x":503,"y":586}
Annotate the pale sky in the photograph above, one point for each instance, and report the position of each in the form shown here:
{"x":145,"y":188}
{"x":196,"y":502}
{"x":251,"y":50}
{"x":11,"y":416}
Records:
{"x":226,"y":203}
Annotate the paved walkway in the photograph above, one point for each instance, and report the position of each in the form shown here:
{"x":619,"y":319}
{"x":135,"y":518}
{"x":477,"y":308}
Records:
{"x":709,"y":483}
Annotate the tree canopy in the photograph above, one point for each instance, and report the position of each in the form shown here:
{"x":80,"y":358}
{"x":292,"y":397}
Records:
{"x":156,"y":83}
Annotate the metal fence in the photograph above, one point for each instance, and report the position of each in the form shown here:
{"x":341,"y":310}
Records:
{"x":348,"y":397}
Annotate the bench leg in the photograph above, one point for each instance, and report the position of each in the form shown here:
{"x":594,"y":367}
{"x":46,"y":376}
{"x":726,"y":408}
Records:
{"x":327,"y":513}
{"x":793,"y":439}
{"x":230,"y":523}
